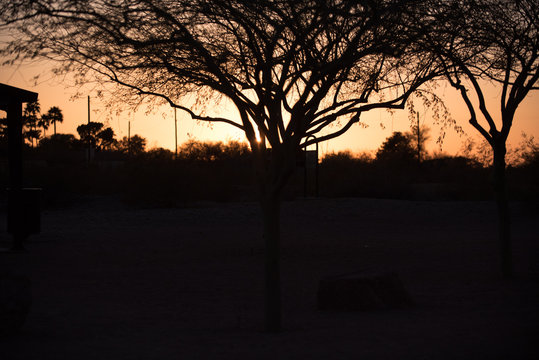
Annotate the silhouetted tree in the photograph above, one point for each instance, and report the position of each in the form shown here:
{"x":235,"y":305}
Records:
{"x":397,"y":150}
{"x":105,"y":139}
{"x":291,"y":68}
{"x":346,"y":156}
{"x":95,"y":137}
{"x":160,"y":154}
{"x":235,"y":150}
{"x":528,"y":151}
{"x":44,"y":123}
{"x":30,"y":119}
{"x":195,"y":150}
{"x":200,"y":151}
{"x":59,"y":142}
{"x":495,"y":41}
{"x":52,"y":116}
{"x":88,"y":133}
{"x":135,"y":145}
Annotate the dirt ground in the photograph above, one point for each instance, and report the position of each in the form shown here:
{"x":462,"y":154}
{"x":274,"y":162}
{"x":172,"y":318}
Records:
{"x":112,"y":282}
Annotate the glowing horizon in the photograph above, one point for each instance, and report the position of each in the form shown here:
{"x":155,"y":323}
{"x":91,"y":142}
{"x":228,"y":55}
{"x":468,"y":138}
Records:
{"x":158,"y":127}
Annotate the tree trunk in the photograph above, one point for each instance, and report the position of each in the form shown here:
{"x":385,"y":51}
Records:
{"x":271,"y":205}
{"x":273,"y":169}
{"x":504,"y":224}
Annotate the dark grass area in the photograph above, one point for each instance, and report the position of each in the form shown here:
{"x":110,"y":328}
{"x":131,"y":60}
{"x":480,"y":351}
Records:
{"x":115,"y":282}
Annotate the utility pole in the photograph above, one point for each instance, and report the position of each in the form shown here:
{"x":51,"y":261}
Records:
{"x":418,"y":141}
{"x":175,"y":135}
{"x":89,"y":150}
{"x":129,"y":137}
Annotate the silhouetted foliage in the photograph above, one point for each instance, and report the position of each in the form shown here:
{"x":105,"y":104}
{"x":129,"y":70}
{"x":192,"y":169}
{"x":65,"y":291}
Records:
{"x":93,"y":134}
{"x":33,"y":120}
{"x":105,"y":139}
{"x":135,"y":145}
{"x":531,"y":159}
{"x":88,"y":132}
{"x":160,"y":154}
{"x":52,"y":116}
{"x":346,"y":156}
{"x":59,"y":142}
{"x":397,"y":150}
{"x":527,"y":153}
{"x":60,"y":149}
{"x":211,"y":151}
{"x":30,"y":119}
{"x":442,"y":178}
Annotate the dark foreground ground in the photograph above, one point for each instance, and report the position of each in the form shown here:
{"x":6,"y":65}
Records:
{"x":111,"y":282}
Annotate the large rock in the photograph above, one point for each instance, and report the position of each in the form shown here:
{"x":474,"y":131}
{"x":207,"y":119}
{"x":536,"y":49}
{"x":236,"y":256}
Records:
{"x":362,"y":292}
{"x":15,"y":301}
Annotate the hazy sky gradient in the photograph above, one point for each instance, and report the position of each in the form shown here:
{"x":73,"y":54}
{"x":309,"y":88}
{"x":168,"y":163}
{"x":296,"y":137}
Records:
{"x":158,"y":127}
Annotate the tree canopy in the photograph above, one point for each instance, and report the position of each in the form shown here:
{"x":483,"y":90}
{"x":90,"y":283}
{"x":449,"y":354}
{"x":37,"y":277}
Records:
{"x":492,"y":40}
{"x":88,"y":132}
{"x":134,"y":145}
{"x":292,"y":68}
{"x":95,"y":134}
{"x":52,"y":116}
{"x":397,"y":150}
{"x":31,"y":121}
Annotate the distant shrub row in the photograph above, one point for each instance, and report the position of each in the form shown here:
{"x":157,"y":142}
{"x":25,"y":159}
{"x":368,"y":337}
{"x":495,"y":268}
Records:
{"x":216,"y":171}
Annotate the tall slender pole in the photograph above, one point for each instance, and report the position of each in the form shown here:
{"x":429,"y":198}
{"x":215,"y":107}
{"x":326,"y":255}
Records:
{"x":418,"y":141}
{"x":129,"y":137}
{"x":175,"y":135}
{"x":89,"y":157}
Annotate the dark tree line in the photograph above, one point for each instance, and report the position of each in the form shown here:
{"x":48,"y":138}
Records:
{"x":157,"y":177}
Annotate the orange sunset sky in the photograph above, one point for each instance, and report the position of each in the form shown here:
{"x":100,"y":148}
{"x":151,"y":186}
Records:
{"x":158,"y":126}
